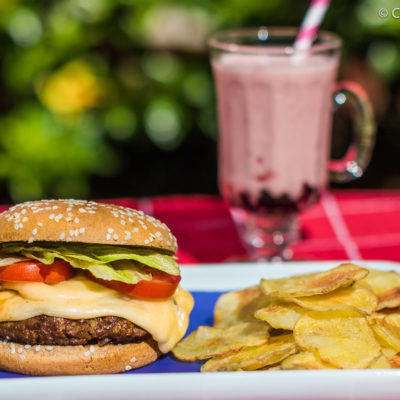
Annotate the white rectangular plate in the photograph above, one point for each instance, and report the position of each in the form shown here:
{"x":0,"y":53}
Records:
{"x":310,"y":385}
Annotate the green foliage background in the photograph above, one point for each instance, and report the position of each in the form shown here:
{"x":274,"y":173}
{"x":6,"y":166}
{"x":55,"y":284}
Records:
{"x":106,"y":98}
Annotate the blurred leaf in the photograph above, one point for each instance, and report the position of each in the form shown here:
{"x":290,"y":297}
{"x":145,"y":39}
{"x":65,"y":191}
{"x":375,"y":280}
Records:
{"x":24,"y":27}
{"x":197,"y":88}
{"x":162,"y":66}
{"x":73,"y":88}
{"x":384,"y":56}
{"x":164,"y":123}
{"x":36,"y":147}
{"x":120,"y":121}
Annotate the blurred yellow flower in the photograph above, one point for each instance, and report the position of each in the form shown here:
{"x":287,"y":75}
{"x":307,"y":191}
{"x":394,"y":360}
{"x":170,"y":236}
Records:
{"x":71,"y":89}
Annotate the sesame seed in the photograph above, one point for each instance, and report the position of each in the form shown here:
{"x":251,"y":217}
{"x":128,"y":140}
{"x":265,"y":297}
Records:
{"x":27,"y":346}
{"x":12,"y":348}
{"x":23,"y":211}
{"x":20,"y":350}
{"x":49,"y":348}
{"x":68,"y":239}
{"x":123,"y":222}
{"x":127,"y":235}
{"x":5,"y":341}
{"x":110,"y":230}
{"x":39,"y":224}
{"x":62,"y":236}
{"x":135,"y":229}
{"x":76,"y":232}
{"x":120,"y":346}
{"x":68,"y":219}
{"x":76,"y":220}
{"x":37,"y":348}
{"x":108,"y":237}
{"x":55,"y":207}
{"x":133,"y":360}
{"x":51,"y":216}
{"x":22,"y":357}
{"x":30,"y":240}
{"x":86,"y":353}
{"x":34,"y":231}
{"x":146,"y":241}
{"x":128,"y":368}
{"x":91,"y":348}
{"x":82,"y":210}
{"x":82,"y":230}
{"x":25,"y":219}
{"x":71,"y":232}
{"x":20,"y":225}
{"x":115,"y":237}
{"x":70,"y":214}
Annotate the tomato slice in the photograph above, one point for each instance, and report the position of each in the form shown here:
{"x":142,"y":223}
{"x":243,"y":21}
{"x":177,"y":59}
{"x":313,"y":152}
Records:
{"x":35,"y":271}
{"x":160,"y":286}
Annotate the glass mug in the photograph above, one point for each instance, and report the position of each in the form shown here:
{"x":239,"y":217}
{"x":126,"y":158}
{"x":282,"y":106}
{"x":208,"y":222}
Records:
{"x":275,"y":114}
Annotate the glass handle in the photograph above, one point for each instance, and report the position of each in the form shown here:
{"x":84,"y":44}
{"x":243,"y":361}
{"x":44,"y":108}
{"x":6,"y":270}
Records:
{"x":358,"y":155}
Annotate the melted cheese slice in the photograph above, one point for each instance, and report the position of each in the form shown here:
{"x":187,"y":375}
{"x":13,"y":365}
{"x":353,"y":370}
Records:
{"x":79,"y":298}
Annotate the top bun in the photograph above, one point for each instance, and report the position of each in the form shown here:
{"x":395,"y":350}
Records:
{"x":81,"y":221}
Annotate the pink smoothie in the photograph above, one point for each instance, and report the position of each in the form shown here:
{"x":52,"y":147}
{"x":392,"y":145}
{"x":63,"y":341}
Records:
{"x":274,"y":129}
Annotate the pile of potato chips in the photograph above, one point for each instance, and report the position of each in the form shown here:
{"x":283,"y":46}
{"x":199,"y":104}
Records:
{"x":347,"y":317}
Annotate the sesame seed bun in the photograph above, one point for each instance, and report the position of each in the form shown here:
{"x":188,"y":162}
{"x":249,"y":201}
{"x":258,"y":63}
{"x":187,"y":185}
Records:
{"x":76,"y":360}
{"x":81,"y":221}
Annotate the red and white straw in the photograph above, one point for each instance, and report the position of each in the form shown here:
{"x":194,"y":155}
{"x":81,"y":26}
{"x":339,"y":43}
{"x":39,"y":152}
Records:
{"x":310,"y":25}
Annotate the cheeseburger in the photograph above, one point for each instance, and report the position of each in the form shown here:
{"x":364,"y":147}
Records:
{"x":86,"y":288}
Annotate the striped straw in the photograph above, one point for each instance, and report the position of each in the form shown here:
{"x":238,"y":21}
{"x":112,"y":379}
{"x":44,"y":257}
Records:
{"x":311,"y":22}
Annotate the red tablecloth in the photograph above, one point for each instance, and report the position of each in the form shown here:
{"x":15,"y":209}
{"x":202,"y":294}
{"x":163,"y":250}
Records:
{"x":344,"y":225}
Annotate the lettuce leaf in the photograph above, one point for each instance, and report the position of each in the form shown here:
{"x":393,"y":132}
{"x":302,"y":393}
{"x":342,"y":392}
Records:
{"x":7,"y":259}
{"x":104,"y":262}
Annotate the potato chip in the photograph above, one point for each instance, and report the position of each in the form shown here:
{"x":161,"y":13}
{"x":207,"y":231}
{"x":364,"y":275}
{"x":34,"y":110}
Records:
{"x":386,"y":329}
{"x":395,"y":361}
{"x":274,"y":368}
{"x":342,"y":338}
{"x":386,"y":285}
{"x":280,"y":316}
{"x":252,"y":358}
{"x":381,"y":363}
{"x":305,"y":360}
{"x":388,"y":352}
{"x":206,"y":341}
{"x":237,"y":307}
{"x":355,"y":297}
{"x":311,"y":284}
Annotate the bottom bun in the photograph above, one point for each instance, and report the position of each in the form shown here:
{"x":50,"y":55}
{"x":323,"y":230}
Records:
{"x":76,"y":360}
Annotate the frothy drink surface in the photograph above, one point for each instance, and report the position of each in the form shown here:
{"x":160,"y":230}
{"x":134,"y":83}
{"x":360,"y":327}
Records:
{"x":274,"y":129}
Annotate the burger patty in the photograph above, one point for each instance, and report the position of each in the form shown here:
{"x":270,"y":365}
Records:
{"x":62,"y":331}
